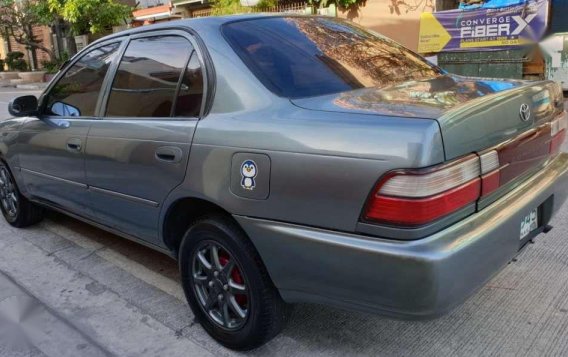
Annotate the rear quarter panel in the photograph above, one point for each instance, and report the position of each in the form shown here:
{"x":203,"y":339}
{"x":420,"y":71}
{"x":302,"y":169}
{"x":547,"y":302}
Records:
{"x":322,"y":165}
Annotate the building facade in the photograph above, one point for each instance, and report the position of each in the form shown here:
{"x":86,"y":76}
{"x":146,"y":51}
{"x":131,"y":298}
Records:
{"x":395,"y":19}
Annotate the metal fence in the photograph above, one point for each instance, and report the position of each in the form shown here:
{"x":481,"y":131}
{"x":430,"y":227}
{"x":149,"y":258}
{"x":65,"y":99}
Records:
{"x":294,"y":8}
{"x":202,"y":12}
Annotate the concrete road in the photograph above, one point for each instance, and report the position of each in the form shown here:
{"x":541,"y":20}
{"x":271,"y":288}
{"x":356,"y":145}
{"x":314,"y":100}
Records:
{"x":95,"y":294}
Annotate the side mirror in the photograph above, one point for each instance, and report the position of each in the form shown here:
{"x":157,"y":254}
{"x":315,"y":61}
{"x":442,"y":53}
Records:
{"x":23,"y":106}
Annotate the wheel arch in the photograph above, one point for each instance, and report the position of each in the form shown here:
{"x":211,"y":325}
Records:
{"x":181,"y":214}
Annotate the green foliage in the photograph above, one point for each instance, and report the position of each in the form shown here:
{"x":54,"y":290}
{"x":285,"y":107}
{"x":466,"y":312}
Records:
{"x":229,"y":7}
{"x":15,"y":61}
{"x":54,"y":65}
{"x":19,"y":17}
{"x":1,"y":65}
{"x":346,"y":4}
{"x":43,"y":13}
{"x":90,"y":16}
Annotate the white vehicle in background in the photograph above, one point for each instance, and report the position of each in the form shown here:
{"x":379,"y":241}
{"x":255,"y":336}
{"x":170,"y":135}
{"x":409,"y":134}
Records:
{"x":556,"y":50}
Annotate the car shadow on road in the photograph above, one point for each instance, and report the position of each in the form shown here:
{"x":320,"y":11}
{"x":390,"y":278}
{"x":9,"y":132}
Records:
{"x":136,"y":252}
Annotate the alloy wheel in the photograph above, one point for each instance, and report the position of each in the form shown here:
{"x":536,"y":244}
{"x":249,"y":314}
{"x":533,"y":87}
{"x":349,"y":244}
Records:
{"x":220,"y":286}
{"x":8,"y":193}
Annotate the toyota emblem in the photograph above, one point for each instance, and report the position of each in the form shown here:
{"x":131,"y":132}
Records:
{"x":525,"y":112}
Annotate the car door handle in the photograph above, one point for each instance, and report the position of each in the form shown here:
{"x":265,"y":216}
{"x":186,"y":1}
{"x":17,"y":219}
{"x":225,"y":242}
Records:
{"x":170,"y":154}
{"x":74,"y":144}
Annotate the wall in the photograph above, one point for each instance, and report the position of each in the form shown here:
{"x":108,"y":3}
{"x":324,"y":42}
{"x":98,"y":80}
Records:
{"x":42,"y":33}
{"x":399,"y":20}
{"x":2,"y":49}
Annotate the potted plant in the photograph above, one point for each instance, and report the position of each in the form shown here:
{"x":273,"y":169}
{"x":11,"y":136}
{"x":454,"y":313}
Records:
{"x":15,"y":62}
{"x":52,"y":67}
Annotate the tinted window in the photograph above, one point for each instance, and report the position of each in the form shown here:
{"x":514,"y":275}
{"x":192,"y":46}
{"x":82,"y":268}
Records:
{"x":148,"y":76}
{"x":308,"y":56}
{"x":76,"y":93}
{"x":191,"y":90}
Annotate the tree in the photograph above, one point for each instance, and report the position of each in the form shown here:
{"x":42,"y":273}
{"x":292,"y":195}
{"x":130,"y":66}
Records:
{"x":90,"y":16}
{"x":18,"y":19}
{"x":228,"y":7}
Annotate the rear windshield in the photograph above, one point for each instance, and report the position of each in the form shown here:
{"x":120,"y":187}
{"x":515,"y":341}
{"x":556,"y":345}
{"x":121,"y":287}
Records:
{"x":298,"y":57}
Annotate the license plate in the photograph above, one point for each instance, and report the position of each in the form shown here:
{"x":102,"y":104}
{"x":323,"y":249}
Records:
{"x":529,"y":223}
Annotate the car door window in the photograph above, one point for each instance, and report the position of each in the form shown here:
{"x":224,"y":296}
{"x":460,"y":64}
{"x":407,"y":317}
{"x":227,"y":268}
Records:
{"x":148,"y":78}
{"x":77,"y":92}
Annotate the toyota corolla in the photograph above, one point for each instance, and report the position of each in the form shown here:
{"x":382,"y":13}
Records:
{"x":284,"y":159}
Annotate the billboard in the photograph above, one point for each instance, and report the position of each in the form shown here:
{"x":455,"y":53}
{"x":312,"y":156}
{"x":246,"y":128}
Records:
{"x":483,"y":29}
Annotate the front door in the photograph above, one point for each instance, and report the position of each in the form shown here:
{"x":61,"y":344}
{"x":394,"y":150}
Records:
{"x":138,"y":153}
{"x":52,"y":146}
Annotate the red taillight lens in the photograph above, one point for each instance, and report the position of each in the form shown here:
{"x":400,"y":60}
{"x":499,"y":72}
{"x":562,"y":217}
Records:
{"x":557,"y":141}
{"x":558,"y":133}
{"x":414,"y":198}
{"x":491,"y":179}
{"x":419,"y":211}
{"x":490,"y":182}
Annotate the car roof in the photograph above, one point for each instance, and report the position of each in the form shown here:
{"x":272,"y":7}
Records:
{"x":198,"y":23}
{"x":201,"y":25}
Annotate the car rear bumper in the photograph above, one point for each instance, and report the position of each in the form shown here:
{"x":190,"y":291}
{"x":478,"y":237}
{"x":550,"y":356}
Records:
{"x":406,"y":279}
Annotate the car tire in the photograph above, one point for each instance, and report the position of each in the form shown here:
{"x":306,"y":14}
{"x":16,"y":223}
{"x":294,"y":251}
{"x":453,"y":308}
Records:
{"x":18,"y":211}
{"x":266,"y":312}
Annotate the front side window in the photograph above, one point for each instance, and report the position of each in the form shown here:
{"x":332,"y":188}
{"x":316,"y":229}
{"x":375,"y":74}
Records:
{"x":148,"y":77}
{"x":77,"y":92}
{"x":298,"y":57}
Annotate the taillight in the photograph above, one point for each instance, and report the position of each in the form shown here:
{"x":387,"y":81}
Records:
{"x":417,"y":197}
{"x":490,"y":171}
{"x":558,"y":133}
{"x":411,"y":198}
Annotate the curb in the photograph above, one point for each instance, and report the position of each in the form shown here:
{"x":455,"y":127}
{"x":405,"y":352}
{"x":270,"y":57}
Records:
{"x":38,"y":86}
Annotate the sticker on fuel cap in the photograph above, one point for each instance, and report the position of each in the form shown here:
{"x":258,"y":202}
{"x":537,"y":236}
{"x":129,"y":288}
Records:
{"x":248,"y":172}
{"x":250,"y":175}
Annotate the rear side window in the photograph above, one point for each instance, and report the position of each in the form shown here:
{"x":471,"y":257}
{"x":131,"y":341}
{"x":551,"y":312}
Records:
{"x":77,"y":92}
{"x":148,"y":77}
{"x":299,"y":57}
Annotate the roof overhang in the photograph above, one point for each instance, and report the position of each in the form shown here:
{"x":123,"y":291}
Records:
{"x":157,"y":16}
{"x":157,"y":13}
{"x":188,"y":2}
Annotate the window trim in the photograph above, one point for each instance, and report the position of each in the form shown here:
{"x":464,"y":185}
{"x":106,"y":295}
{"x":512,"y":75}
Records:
{"x":156,"y":33}
{"x":45,"y":95}
{"x":178,"y":87}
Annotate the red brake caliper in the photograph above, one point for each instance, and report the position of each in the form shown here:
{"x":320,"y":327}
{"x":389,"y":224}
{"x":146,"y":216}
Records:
{"x":236,"y":276}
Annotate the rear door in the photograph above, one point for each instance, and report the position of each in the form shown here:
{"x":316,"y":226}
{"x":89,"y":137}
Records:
{"x":52,"y":146}
{"x":139,"y":151}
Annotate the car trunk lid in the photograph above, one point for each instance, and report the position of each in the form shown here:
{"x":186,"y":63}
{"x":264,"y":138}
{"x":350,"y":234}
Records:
{"x":475,"y":115}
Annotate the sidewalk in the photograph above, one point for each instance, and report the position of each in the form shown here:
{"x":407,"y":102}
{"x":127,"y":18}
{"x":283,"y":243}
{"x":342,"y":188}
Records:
{"x":71,"y":314}
{"x":26,"y":86}
{"x":29,"y":328}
